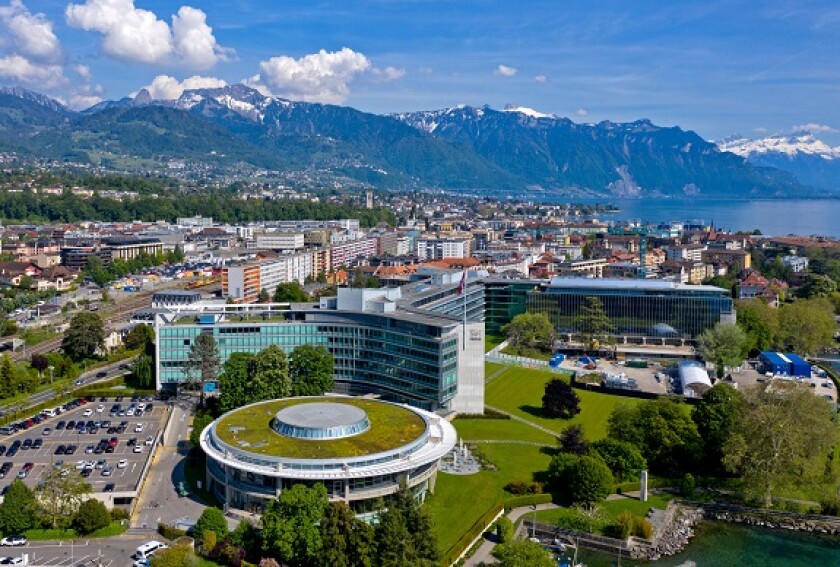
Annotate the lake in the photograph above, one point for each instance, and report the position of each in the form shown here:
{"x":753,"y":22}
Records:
{"x":719,"y":544}
{"x":771,"y":217}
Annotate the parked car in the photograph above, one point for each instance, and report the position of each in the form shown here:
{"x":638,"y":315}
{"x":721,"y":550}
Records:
{"x":14,"y":540}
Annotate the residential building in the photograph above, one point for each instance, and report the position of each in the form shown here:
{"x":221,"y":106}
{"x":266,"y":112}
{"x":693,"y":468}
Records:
{"x":280,"y":241}
{"x":429,"y":247}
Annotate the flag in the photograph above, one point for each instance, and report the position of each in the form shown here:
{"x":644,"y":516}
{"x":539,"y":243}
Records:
{"x":463,"y":284}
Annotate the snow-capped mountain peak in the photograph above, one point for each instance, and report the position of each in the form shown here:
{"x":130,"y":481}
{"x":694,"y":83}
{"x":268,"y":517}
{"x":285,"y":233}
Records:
{"x":527,"y":111}
{"x":242,"y":100}
{"x":790,"y":146}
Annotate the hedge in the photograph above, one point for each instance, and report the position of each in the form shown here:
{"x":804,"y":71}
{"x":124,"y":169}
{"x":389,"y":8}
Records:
{"x":527,"y":500}
{"x":475,"y":530}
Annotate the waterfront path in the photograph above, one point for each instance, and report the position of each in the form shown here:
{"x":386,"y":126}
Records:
{"x":484,"y":553}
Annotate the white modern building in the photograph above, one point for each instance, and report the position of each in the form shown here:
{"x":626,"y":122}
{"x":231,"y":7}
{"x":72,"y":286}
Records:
{"x":279,"y":241}
{"x":360,"y":449}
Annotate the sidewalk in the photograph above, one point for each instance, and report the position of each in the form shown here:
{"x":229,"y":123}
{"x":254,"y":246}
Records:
{"x":483,"y":553}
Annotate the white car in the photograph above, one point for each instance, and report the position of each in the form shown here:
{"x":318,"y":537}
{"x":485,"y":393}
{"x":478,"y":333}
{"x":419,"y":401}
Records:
{"x":122,"y":463}
{"x":80,"y":465}
{"x":150,"y":440}
{"x":138,"y":448}
{"x":13,"y":541}
{"x":138,"y":428}
{"x":100,"y":408}
{"x":88,"y":412}
{"x":140,"y":563}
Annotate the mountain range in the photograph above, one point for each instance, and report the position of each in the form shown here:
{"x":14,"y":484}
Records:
{"x":479,"y":150}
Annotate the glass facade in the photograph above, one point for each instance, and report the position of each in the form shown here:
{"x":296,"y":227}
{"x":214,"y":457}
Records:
{"x":504,"y":300}
{"x":637,"y":311}
{"x":403,"y":360}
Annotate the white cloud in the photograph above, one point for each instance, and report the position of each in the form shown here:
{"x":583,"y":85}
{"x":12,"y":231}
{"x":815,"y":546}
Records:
{"x":82,"y":71}
{"x":83,"y":101}
{"x":32,"y":34}
{"x":505,"y":71}
{"x":317,"y":77}
{"x":540,"y":79}
{"x":164,"y":87}
{"x":388,"y":74}
{"x":814,"y":128}
{"x":19,"y":69}
{"x":582,"y":112}
{"x":134,"y":34}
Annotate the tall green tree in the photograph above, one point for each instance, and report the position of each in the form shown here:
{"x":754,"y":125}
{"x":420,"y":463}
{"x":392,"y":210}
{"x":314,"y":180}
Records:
{"x":8,"y":377}
{"x":624,"y":459}
{"x":143,"y":370}
{"x":91,"y":516}
{"x":139,"y":337}
{"x":530,"y":331}
{"x":404,"y":534}
{"x":211,"y":520}
{"x":593,"y":324}
{"x":590,"y":481}
{"x":817,"y":286}
{"x":716,"y":416}
{"x":203,"y":362}
{"x":346,"y":540}
{"x":60,"y":493}
{"x":290,"y":525}
{"x":759,"y":321}
{"x":84,"y":337}
{"x":270,"y":373}
{"x":521,"y":553}
{"x":724,"y":345}
{"x":236,"y":389}
{"x":291,"y":292}
{"x":783,"y":436}
{"x":311,"y":370}
{"x":560,"y":399}
{"x":19,"y":509}
{"x":806,"y":326}
{"x":663,"y":431}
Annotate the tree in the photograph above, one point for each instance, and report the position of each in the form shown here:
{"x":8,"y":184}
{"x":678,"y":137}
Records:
{"x":290,"y":292}
{"x":175,"y":556}
{"x":716,"y":416}
{"x":8,"y":327}
{"x":84,"y":337}
{"x":759,"y":321}
{"x":211,"y":520}
{"x":560,"y":399}
{"x":199,"y":423}
{"x":522,"y":552}
{"x":559,"y":471}
{"x":346,"y":540}
{"x":60,"y":493}
{"x":532,"y":331}
{"x":8,"y":377}
{"x":143,"y":370}
{"x":623,"y":459}
{"x":782,"y":436}
{"x":19,"y":509}
{"x":593,"y":325}
{"x":662,"y":430}
{"x":311,"y":370}
{"x":270,"y":374}
{"x":91,"y":516}
{"x":235,"y":382}
{"x":572,"y":440}
{"x":806,"y":326}
{"x":505,"y":530}
{"x":203,"y":363}
{"x":39,"y":362}
{"x":290,"y":529}
{"x":264,"y":297}
{"x":139,"y":337}
{"x":723,"y":345}
{"x":590,"y":481}
{"x":817,"y":286}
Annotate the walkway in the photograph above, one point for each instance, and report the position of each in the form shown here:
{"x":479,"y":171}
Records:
{"x":523,"y":420}
{"x":484,"y":553}
{"x":509,"y":442}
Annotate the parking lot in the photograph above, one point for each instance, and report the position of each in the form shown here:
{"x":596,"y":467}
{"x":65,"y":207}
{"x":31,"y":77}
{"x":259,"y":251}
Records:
{"x":108,"y":469}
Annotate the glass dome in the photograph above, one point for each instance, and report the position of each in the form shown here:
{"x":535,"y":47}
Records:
{"x":321,"y":420}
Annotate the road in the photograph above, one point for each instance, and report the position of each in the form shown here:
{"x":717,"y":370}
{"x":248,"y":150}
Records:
{"x":158,"y":499}
{"x":111,"y":552}
{"x":85,"y":379}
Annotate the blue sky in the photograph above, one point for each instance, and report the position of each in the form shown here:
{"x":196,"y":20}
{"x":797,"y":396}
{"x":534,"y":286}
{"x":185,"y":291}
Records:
{"x":717,"y":67}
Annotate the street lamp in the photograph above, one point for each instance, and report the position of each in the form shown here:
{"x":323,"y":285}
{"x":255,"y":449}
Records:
{"x":51,"y":368}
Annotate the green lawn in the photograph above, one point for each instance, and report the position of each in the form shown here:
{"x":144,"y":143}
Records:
{"x":609,"y":511}
{"x":470,"y":429}
{"x":391,"y":426}
{"x":519,"y":391}
{"x":491,"y":342}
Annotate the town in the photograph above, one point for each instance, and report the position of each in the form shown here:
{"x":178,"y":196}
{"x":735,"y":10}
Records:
{"x":428,"y":361}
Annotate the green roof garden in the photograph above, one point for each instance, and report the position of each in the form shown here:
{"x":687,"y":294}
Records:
{"x":250,"y":429}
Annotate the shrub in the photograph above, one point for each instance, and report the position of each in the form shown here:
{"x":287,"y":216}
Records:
{"x":642,"y":528}
{"x":623,"y":526}
{"x":169,"y":532}
{"x":208,"y":540}
{"x":91,"y":516}
{"x":830,"y":506}
{"x":504,"y":529}
{"x":517,"y":487}
{"x":119,"y":514}
{"x":687,"y":485}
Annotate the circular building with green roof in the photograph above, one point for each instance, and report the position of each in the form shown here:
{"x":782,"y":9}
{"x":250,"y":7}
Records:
{"x":360,"y":449}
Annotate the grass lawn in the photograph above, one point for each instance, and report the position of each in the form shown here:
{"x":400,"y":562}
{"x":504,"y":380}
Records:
{"x":471,"y":429}
{"x":491,"y":342}
{"x":391,"y":426}
{"x":459,"y":501}
{"x":519,"y":391}
{"x":527,"y":353}
{"x":609,"y":512}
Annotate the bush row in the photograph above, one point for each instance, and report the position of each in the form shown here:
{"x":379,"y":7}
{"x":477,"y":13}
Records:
{"x":475,"y":530}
